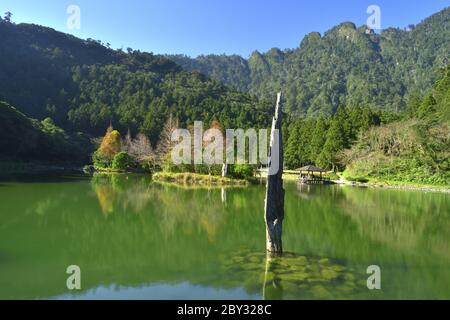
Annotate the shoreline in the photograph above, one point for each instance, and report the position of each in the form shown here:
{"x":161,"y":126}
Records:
{"x":386,"y":185}
{"x":12,"y":168}
{"x":392,"y":186}
{"x":194,"y":179}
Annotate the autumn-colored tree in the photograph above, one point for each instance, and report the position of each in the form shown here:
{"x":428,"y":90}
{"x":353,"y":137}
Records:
{"x":140,"y":148}
{"x":111,"y":143}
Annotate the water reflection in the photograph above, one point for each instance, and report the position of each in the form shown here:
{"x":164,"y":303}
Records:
{"x":181,"y":291}
{"x":404,"y":223}
{"x":125,"y":230}
{"x":120,"y":192}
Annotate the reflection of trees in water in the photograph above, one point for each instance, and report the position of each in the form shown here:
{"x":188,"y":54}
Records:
{"x":223,"y":193}
{"x":121,"y":192}
{"x":194,"y":208}
{"x":305,"y":191}
{"x":369,"y":222}
{"x":310,"y":192}
{"x":175,"y":234}
{"x":406,"y":220}
{"x":189,"y":208}
{"x":142,"y":247}
{"x":177,"y":209}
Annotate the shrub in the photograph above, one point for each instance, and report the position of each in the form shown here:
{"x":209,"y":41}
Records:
{"x":242,"y":171}
{"x":148,"y":165}
{"x":99,"y":160}
{"x":332,"y":175}
{"x":123,"y":161}
{"x":357,"y":179}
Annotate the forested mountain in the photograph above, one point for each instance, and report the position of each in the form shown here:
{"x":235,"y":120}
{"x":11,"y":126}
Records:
{"x":336,"y":87}
{"x":84,"y":86}
{"x":25,"y":138}
{"x":411,"y":146}
{"x":346,"y":66}
{"x":414,"y":149}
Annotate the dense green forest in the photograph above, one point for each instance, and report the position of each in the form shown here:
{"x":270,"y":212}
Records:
{"x":81,"y":87}
{"x":412,"y":146}
{"x":25,"y":138}
{"x":84,"y":86}
{"x":414,"y":149}
{"x":346,"y":66}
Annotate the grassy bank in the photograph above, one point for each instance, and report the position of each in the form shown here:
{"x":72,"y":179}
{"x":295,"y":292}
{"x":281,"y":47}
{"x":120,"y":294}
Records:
{"x":393,"y":184}
{"x":188,"y":178}
{"x":365,"y":181}
{"x":111,"y":170}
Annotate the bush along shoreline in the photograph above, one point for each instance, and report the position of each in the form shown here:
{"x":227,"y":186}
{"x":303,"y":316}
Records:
{"x":128,"y":155}
{"x":189,"y":179}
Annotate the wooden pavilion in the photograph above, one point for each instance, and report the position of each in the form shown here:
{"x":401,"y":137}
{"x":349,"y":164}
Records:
{"x":308,"y":174}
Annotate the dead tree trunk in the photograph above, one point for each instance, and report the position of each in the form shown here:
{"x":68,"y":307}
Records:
{"x":274,"y":203}
{"x":224,"y":169}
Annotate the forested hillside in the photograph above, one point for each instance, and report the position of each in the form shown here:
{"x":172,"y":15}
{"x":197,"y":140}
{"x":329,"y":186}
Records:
{"x":414,"y":149}
{"x":84,"y":86}
{"x":354,"y":99}
{"x":24,"y":138}
{"x":410,"y":146}
{"x":346,"y":66}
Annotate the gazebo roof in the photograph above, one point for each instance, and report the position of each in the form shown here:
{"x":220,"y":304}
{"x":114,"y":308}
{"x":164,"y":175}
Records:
{"x":310,"y":168}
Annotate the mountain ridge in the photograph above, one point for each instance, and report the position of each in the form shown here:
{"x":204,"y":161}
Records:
{"x":403,"y":61}
{"x":84,"y":86}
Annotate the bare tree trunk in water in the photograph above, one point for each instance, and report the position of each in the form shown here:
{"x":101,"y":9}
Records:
{"x":274,"y":204}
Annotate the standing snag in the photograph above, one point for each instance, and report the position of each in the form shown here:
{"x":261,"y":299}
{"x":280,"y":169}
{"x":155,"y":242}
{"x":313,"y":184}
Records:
{"x":274,"y":203}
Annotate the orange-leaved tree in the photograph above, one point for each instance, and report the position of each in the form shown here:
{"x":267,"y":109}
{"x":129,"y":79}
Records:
{"x":110,"y":146}
{"x":111,"y":143}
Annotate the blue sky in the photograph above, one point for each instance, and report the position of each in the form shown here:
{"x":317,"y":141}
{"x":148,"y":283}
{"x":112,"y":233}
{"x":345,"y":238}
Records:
{"x":196,"y":27}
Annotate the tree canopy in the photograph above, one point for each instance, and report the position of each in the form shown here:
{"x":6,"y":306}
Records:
{"x":345,"y":66}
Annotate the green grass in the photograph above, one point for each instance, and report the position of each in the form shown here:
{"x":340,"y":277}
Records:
{"x":111,"y":170}
{"x":407,"y":183}
{"x":357,"y":179}
{"x":391,"y":170}
{"x":188,"y":178}
{"x":385,"y":181}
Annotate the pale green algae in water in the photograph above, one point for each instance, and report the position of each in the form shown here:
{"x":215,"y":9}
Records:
{"x":294,"y":276}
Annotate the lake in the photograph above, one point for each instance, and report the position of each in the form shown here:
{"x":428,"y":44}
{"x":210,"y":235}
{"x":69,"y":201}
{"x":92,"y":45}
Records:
{"x":137,"y":239}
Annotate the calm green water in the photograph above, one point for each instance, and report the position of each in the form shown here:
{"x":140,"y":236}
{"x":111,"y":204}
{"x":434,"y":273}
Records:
{"x":135,"y":239}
